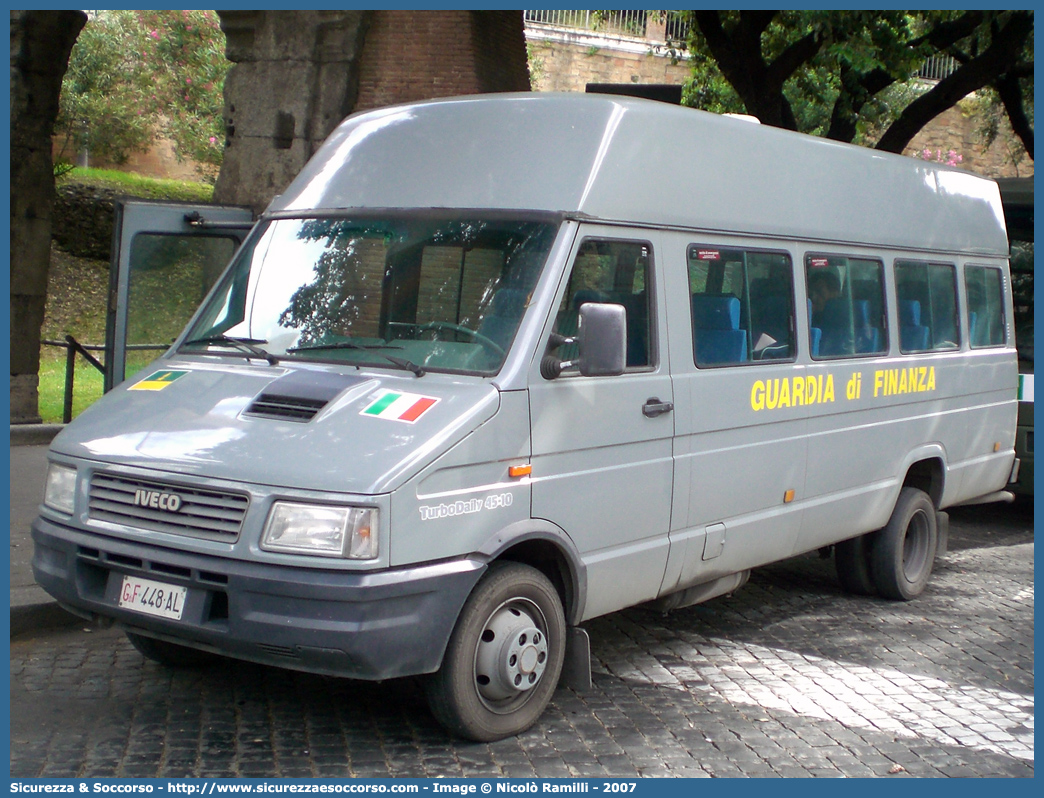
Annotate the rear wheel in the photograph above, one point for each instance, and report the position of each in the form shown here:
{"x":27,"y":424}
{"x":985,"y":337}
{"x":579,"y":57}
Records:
{"x":904,"y":552}
{"x":504,"y":657}
{"x":170,"y":654}
{"x":852,"y":560}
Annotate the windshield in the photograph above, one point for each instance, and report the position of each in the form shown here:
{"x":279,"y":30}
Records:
{"x":421,"y":293}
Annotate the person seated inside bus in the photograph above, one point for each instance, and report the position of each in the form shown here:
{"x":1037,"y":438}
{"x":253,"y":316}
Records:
{"x":823,"y":286}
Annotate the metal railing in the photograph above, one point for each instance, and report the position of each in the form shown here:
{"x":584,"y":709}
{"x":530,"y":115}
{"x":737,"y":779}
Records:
{"x":625,"y":23}
{"x":937,"y":67}
{"x":676,"y":28}
{"x":672,"y":26}
{"x":73,"y":348}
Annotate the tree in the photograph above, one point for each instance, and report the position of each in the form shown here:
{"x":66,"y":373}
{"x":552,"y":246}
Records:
{"x":105,"y":105}
{"x":40,"y":45}
{"x":848,"y":75}
{"x":136,"y":75}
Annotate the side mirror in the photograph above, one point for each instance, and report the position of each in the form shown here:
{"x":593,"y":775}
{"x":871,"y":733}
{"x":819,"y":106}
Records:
{"x":601,"y":339}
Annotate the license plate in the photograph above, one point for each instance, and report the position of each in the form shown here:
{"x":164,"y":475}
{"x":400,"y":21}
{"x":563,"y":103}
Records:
{"x":153,"y":598}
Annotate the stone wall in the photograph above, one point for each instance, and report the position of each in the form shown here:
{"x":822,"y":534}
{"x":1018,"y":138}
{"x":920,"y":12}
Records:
{"x":297,"y":74}
{"x":83,"y":220}
{"x":568,"y":61}
{"x":957,"y":129}
{"x":292,"y":81}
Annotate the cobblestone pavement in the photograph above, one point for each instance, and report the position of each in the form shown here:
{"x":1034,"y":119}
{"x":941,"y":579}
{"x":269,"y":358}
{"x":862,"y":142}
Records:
{"x":788,"y":677}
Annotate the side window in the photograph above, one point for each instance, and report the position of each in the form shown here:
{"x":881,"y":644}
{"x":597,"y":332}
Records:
{"x":742,"y":305}
{"x":615,"y":272}
{"x":927,"y":304}
{"x":846,"y":306}
{"x":985,"y":287}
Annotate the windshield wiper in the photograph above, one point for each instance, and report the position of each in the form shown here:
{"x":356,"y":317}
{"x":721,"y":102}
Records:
{"x":398,"y":361}
{"x":248,"y":345}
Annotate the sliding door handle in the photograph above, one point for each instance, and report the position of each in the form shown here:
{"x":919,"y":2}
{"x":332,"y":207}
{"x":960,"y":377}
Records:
{"x":654,"y":407}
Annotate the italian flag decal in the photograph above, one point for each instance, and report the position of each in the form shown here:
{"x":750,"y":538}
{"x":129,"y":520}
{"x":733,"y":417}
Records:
{"x":157,"y":381}
{"x":398,"y":406}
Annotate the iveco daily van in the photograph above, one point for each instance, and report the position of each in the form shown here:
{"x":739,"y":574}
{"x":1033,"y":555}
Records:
{"x":494,"y":366}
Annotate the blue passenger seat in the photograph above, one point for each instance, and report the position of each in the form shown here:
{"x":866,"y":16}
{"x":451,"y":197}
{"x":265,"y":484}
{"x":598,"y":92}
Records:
{"x":867,"y":337}
{"x":913,"y":336}
{"x":815,"y":334}
{"x":717,"y":337}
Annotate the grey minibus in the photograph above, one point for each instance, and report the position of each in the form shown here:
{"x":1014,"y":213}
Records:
{"x":493,"y":366}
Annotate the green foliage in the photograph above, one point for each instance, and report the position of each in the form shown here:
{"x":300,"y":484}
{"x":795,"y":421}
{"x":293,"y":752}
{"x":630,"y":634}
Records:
{"x":190,"y":75}
{"x":848,"y":41}
{"x":847,"y":74}
{"x":136,"y":75}
{"x":105,"y":104}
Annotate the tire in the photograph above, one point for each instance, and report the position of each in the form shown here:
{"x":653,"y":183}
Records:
{"x":170,"y":654}
{"x":852,"y":560}
{"x":904,"y":552}
{"x":504,"y":657}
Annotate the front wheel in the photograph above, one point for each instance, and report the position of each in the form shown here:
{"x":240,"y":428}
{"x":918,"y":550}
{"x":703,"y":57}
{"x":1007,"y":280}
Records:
{"x":504,"y":657}
{"x":904,"y":552}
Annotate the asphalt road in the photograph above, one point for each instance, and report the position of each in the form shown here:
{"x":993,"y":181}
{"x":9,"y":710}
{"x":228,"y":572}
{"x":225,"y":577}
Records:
{"x":787,"y":677}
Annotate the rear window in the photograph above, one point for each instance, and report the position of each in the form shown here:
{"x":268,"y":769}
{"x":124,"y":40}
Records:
{"x":927,"y":302}
{"x":985,"y":288}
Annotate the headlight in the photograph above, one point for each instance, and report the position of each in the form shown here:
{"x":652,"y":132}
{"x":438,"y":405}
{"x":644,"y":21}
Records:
{"x":320,"y":529}
{"x":60,"y":490}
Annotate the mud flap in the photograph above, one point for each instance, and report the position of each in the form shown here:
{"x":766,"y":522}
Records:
{"x":576,"y":669}
{"x":942,"y":540}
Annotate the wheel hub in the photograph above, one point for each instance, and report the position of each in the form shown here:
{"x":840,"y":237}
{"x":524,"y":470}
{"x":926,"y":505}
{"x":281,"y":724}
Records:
{"x":511,"y":656}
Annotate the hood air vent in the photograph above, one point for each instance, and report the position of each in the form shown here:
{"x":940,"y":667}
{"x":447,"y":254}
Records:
{"x":291,"y":408}
{"x":300,"y":395}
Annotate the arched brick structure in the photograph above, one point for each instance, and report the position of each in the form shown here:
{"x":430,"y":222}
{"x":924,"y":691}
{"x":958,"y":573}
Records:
{"x":297,"y":74}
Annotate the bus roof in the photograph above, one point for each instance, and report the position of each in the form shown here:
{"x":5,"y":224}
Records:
{"x":621,"y":159}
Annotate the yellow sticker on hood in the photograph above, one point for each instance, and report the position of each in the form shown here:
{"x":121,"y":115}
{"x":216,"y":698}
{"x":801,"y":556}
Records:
{"x":157,"y":381}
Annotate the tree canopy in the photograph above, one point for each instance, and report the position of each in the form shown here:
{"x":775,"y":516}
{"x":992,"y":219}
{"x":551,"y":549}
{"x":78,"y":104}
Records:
{"x":136,"y":75}
{"x":851,"y":75}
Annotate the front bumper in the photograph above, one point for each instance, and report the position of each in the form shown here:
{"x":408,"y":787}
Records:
{"x":376,"y":625}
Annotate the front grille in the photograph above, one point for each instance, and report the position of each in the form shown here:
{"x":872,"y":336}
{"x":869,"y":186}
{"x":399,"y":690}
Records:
{"x":287,"y":408}
{"x":176,"y":509}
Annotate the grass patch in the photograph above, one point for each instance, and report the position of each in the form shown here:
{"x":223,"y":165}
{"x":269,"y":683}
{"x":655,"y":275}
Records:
{"x":140,"y":186}
{"x":87,"y":384}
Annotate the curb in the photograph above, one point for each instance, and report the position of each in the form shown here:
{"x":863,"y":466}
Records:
{"x":34,"y":434}
{"x":46,"y":616}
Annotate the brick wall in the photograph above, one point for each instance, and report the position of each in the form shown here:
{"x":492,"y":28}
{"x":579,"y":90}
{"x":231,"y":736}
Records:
{"x":417,"y":55}
{"x":443,"y":290}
